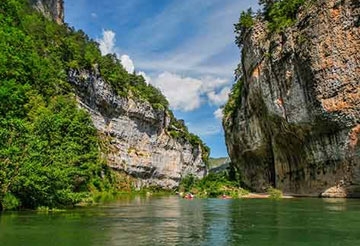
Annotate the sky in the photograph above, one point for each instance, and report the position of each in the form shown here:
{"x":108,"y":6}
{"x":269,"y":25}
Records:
{"x":183,"y":47}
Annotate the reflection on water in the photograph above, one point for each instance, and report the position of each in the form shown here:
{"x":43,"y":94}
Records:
{"x":176,"y":221}
{"x":335,"y":204}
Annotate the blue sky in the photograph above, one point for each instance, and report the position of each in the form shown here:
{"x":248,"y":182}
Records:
{"x":184,"y":47}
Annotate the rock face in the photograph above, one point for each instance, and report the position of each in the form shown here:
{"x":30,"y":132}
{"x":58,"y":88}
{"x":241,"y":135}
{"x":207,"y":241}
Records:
{"x":53,"y":9}
{"x":298,"y":126}
{"x":135,"y":135}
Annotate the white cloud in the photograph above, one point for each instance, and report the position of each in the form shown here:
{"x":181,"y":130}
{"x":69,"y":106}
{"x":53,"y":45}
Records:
{"x":94,"y":15}
{"x":127,"y":63}
{"x":188,"y":93}
{"x":107,"y":42}
{"x":183,"y":93}
{"x":107,"y":46}
{"x":210,"y":83}
{"x":219,"y":98}
{"x":219,"y":114}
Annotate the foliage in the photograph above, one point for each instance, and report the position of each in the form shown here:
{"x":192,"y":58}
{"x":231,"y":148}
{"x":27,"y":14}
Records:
{"x":274,"y":193}
{"x":49,"y":149}
{"x":246,"y":22}
{"x":212,"y":185}
{"x":280,"y":13}
{"x":177,"y":129}
{"x":10,"y":202}
{"x":234,"y":102}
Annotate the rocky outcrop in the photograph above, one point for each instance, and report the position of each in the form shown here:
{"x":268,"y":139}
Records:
{"x":135,"y":135}
{"x":53,"y":9}
{"x":298,"y":126}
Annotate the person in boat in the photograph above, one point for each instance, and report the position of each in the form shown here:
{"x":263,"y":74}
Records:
{"x":189,"y":196}
{"x":225,"y":196}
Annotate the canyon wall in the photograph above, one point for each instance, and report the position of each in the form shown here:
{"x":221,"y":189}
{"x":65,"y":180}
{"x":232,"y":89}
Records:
{"x":298,"y":124}
{"x":135,"y":135}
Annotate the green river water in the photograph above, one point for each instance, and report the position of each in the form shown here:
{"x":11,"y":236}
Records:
{"x":176,"y":221}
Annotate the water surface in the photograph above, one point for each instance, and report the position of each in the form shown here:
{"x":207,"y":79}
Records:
{"x":175,"y":221}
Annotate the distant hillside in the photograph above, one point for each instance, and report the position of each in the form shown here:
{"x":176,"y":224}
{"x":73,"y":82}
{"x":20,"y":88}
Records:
{"x":216,"y":162}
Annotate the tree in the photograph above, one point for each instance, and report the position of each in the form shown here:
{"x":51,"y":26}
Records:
{"x":246,"y":21}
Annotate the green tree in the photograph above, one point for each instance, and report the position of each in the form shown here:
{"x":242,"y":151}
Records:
{"x":246,"y":22}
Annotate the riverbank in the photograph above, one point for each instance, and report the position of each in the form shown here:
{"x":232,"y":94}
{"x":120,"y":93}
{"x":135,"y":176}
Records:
{"x":264,"y":196}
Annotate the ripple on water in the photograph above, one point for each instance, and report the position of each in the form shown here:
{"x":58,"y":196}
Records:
{"x":176,"y":221}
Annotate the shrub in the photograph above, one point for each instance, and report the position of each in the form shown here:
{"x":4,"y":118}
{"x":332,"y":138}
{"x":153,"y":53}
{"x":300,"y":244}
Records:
{"x":246,"y":21}
{"x":10,"y":202}
{"x":274,"y":193}
{"x":212,"y":185}
{"x":282,"y":14}
{"x":234,"y":101}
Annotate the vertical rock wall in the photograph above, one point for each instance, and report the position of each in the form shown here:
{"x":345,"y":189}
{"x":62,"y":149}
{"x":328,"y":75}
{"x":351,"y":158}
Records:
{"x":135,"y":135}
{"x":298,"y":126}
{"x":53,"y":9}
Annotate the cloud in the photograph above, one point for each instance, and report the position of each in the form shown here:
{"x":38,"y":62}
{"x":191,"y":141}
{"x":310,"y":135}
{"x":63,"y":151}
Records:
{"x":189,"y":93}
{"x":209,"y":49}
{"x":183,"y":93}
{"x":219,"y":114}
{"x":219,"y":98}
{"x":127,"y":63}
{"x":107,"y":46}
{"x":210,"y":83}
{"x":94,"y":15}
{"x":107,"y":42}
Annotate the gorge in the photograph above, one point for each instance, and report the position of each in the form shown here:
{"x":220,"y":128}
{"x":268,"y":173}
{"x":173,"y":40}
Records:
{"x":76,"y":123}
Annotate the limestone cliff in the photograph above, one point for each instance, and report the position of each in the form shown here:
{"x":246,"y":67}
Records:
{"x":135,"y":135}
{"x":298,"y":124}
{"x":53,"y":9}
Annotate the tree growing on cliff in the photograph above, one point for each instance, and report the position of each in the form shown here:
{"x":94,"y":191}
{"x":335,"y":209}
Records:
{"x":246,"y":21}
{"x":280,"y":13}
{"x":267,"y":4}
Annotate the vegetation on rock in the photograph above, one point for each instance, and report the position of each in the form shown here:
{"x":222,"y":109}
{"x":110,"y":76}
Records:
{"x":279,"y":14}
{"x":234,"y":101}
{"x":49,"y":149}
{"x":178,"y":130}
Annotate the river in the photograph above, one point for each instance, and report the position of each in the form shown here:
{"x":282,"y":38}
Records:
{"x":176,"y":221}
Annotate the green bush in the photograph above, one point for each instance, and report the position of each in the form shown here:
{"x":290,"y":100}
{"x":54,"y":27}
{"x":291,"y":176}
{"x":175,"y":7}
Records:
{"x":274,"y":193}
{"x":187,"y":183}
{"x":282,"y":13}
{"x":10,"y":202}
{"x":246,"y":22}
{"x":49,"y":149}
{"x":212,"y":185}
{"x":234,"y":101}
